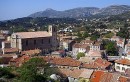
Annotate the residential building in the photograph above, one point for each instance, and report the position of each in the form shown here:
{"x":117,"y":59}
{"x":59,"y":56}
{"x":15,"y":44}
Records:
{"x":93,"y":54}
{"x":121,"y":43}
{"x":96,"y":46}
{"x":103,"y":76}
{"x":115,"y":38}
{"x":122,"y":64}
{"x":76,"y":75}
{"x":17,"y":62}
{"x":80,"y":48}
{"x":67,"y":44}
{"x":4,"y":61}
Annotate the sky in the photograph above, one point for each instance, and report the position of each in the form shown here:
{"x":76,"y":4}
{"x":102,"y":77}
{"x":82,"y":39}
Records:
{"x":11,"y":9}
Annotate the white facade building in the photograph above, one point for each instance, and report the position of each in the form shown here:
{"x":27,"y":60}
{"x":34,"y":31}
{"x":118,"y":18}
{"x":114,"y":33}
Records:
{"x":79,"y":48}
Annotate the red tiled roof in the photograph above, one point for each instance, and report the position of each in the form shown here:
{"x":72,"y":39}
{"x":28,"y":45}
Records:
{"x":123,"y":79}
{"x":75,"y":73}
{"x":106,"y":77}
{"x":5,"y":60}
{"x":96,"y":76}
{"x":11,"y":50}
{"x":79,"y":45}
{"x":31,"y":52}
{"x":123,"y":61}
{"x":62,"y":61}
{"x":90,"y":65}
{"x":20,"y":60}
{"x":102,"y":63}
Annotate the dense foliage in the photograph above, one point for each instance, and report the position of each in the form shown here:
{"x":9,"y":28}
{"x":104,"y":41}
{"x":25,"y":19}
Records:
{"x":80,"y":55}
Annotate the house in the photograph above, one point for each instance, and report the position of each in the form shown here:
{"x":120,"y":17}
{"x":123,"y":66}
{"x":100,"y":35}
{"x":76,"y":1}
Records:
{"x":121,"y":43}
{"x":17,"y":62}
{"x":127,"y":48}
{"x":96,"y":46}
{"x":127,"y":56}
{"x":43,"y":40}
{"x":67,"y":44}
{"x":115,"y":38}
{"x":76,"y":74}
{"x":80,"y":48}
{"x":122,"y":64}
{"x":69,"y":63}
{"x":93,"y":54}
{"x":66,"y":62}
{"x":89,"y":42}
{"x":31,"y":52}
{"x":95,"y":77}
{"x":103,"y":64}
{"x":102,"y":76}
{"x":4,"y":61}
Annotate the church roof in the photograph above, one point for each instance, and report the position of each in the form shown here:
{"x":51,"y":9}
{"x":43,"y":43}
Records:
{"x":37,"y":34}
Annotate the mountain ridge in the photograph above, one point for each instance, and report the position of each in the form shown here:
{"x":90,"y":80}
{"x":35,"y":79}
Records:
{"x":81,"y":12}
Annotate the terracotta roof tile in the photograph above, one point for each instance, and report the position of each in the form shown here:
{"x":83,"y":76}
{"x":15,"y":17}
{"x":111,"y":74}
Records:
{"x":123,"y":61}
{"x":90,"y":65}
{"x":31,"y":52}
{"x":20,"y":60}
{"x":75,"y":73}
{"x":102,"y":63}
{"x":62,"y":61}
{"x":8,"y":50}
{"x":123,"y":79}
{"x":96,"y":76}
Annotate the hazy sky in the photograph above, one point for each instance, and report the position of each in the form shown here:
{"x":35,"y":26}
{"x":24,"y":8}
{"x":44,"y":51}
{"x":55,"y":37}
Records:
{"x":11,"y":9}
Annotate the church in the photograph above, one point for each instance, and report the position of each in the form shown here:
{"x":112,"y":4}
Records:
{"x":44,"y":40}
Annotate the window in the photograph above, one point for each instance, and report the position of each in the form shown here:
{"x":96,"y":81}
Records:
{"x":34,"y":42}
{"x":49,"y":40}
{"x":123,"y":68}
{"x":117,"y":67}
{"x":42,"y":41}
{"x":54,"y":29}
{"x":26,"y":42}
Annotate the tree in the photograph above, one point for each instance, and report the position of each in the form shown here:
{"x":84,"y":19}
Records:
{"x":29,"y":72}
{"x":6,"y":73}
{"x":94,"y":37}
{"x":111,"y":48}
{"x":109,"y":35}
{"x":80,"y":55}
{"x":35,"y":70}
{"x":85,"y":35}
